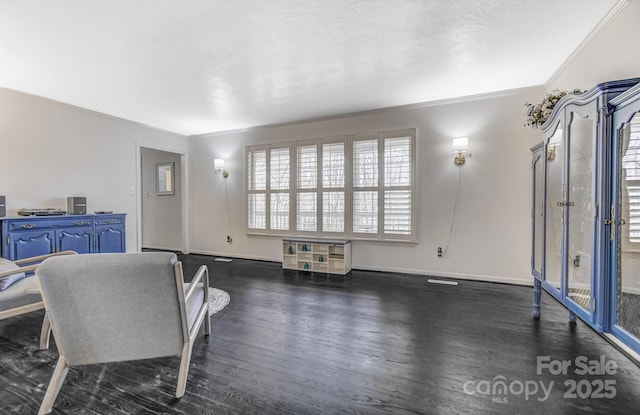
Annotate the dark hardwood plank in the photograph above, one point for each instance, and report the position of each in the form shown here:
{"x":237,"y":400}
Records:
{"x":367,"y":343}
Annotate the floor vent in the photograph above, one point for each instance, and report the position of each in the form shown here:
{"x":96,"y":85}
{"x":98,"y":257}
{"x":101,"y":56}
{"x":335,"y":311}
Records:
{"x":443,"y":282}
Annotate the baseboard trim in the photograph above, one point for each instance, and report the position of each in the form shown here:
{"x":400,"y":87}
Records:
{"x":452,"y":275}
{"x":228,"y":255}
{"x":162,"y":248}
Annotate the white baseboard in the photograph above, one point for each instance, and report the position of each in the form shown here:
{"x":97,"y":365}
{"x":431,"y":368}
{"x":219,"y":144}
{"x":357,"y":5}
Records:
{"x":229,"y":255}
{"x":471,"y":277}
{"x":162,"y":248}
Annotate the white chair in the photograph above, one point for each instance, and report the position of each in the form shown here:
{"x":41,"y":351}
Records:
{"x":23,"y":296}
{"x":120,"y":307}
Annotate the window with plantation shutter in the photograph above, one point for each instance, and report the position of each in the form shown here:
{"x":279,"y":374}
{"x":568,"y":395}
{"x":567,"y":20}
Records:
{"x":279,"y":186}
{"x":333,"y":172}
{"x":357,"y":187}
{"x":365,"y":186}
{"x":269,"y":189}
{"x":307,"y":188}
{"x":257,"y":189}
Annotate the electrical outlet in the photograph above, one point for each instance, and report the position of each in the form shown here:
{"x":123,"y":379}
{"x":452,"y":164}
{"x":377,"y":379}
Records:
{"x":439,"y":252}
{"x":229,"y":239}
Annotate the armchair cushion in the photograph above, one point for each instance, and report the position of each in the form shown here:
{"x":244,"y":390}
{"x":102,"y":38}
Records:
{"x":7,"y":280}
{"x":23,"y":292}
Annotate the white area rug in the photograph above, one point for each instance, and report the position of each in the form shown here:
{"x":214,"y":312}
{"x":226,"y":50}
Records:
{"x":218,"y":299}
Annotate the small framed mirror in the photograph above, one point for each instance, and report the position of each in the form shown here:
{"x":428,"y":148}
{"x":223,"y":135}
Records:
{"x":164,"y":179}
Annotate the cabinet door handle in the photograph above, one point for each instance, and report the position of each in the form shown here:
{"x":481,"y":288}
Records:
{"x":79,"y":223}
{"x":29,"y":226}
{"x":108,"y":221}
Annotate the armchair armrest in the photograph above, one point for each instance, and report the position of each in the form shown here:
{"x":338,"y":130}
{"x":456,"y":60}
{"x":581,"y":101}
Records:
{"x":30,"y":260}
{"x":18,"y":270}
{"x":201,"y":275}
{"x":41,"y":258}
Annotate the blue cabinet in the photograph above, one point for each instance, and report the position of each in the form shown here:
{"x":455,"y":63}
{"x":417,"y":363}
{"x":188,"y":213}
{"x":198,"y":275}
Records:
{"x":25,"y":244}
{"x":110,"y":234}
{"x":28,"y":236}
{"x":79,"y":239}
{"x":586,"y":183}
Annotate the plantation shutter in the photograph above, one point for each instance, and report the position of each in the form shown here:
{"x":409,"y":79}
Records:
{"x":279,"y":185}
{"x":365,"y":186}
{"x":257,"y":189}
{"x":307,"y":188}
{"x":397,"y":185}
{"x":333,"y":193}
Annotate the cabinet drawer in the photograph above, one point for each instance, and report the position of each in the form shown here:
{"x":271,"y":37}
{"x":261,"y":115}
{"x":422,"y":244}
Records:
{"x":28,"y":225}
{"x":109,"y":220}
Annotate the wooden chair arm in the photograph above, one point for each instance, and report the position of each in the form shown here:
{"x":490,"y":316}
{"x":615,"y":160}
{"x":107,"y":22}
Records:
{"x":30,"y":268}
{"x":18,"y":270}
{"x":202,"y":274}
{"x":41,"y":258}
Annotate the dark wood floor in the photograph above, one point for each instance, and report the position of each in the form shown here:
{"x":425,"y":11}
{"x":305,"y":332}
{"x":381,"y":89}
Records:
{"x":368,"y":343}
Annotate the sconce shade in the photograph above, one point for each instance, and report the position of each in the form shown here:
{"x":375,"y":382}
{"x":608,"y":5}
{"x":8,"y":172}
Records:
{"x":460,"y":144}
{"x":218,"y":165}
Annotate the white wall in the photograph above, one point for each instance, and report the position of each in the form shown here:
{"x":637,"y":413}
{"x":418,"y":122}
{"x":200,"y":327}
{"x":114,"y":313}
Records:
{"x":492,"y":232}
{"x":612,"y":54}
{"x":50,"y":150}
{"x":161,"y":215}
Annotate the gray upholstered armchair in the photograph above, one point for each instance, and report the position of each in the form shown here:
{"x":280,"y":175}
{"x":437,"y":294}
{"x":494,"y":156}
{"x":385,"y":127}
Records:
{"x":119,"y":307}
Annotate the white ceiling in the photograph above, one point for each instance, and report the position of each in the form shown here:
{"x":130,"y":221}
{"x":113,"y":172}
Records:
{"x":199,"y":66}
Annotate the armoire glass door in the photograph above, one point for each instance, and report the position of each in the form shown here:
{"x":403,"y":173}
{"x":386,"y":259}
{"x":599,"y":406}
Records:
{"x":554,"y":220}
{"x":580,"y":204}
{"x":626,"y":232}
{"x":537,"y":212}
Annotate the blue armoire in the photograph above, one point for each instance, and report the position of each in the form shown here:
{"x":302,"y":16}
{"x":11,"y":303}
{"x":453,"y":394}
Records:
{"x":586,"y":210}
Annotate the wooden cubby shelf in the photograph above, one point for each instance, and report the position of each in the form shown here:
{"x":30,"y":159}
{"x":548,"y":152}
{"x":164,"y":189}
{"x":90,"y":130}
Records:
{"x":317,"y":255}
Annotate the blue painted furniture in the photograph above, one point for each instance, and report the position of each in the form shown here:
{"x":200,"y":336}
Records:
{"x":584,"y":251}
{"x":109,"y":233}
{"x":28,"y":236}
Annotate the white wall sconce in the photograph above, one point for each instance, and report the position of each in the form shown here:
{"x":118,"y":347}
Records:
{"x":460,"y":146}
{"x":554,"y":142}
{"x":218,"y":167}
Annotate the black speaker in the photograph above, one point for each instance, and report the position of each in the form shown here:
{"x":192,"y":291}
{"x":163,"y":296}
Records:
{"x":77,"y":205}
{"x":3,"y":206}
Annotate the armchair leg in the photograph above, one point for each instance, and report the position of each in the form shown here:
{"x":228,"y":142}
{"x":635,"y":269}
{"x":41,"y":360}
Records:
{"x":207,"y":323}
{"x":45,"y":332}
{"x":59,"y":374}
{"x":185,"y":360}
{"x":207,"y":317}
